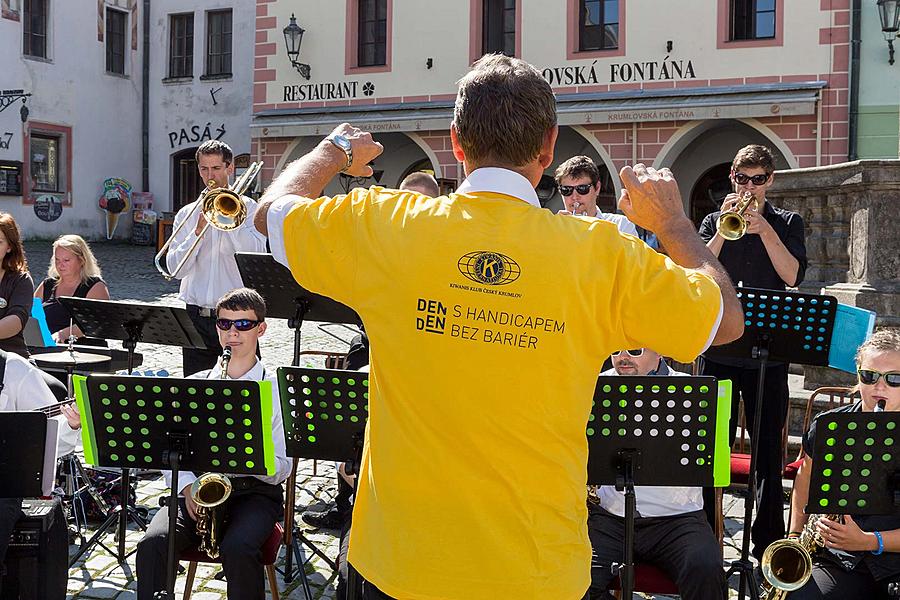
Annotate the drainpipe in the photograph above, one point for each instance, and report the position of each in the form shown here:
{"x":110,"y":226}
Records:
{"x":855,"y":41}
{"x":145,"y":102}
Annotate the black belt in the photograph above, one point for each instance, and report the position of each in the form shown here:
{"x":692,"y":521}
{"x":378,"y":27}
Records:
{"x":202,"y":310}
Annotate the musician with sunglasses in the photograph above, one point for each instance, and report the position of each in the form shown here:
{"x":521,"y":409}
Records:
{"x":578,"y":181}
{"x":256,"y":501}
{"x":771,"y":255}
{"x":671,"y":529}
{"x":22,"y":388}
{"x":862,"y":555}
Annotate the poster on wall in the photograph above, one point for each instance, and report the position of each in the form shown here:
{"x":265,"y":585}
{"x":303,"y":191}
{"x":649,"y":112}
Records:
{"x":48,"y":207}
{"x":115,"y":200}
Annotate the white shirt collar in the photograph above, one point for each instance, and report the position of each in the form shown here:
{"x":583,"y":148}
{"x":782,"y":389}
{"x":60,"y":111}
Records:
{"x":254,"y":374}
{"x":501,"y":181}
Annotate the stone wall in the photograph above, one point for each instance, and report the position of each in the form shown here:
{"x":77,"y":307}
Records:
{"x":852,"y":238}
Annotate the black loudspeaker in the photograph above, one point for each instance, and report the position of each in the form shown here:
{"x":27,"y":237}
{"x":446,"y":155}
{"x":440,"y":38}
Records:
{"x":36,"y":566}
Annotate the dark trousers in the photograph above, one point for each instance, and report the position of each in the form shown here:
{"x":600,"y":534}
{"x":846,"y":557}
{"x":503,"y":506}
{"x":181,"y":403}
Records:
{"x":829,"y":581}
{"x":195,"y":360}
{"x":10,"y":513}
{"x":683,"y":546}
{"x":249,"y":519}
{"x":768,"y":523}
{"x":370,"y":592}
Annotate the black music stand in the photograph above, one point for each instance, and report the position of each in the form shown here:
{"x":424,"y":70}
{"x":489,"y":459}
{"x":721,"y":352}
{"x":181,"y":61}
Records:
{"x":22,"y":444}
{"x":857,"y":466}
{"x":221,"y":425}
{"x":669,"y":431}
{"x":131,"y":322}
{"x":286,"y":299}
{"x":325,"y":413}
{"x":789,"y":327}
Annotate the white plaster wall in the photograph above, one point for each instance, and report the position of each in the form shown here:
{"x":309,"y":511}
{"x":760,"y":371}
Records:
{"x":440,"y":30}
{"x":73,"y":89}
{"x":186,"y":104}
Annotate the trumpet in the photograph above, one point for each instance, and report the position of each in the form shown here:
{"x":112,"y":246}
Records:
{"x":209,"y":491}
{"x":223,"y":208}
{"x":732,"y":224}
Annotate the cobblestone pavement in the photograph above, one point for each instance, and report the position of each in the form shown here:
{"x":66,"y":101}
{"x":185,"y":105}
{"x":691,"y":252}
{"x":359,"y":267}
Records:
{"x":131,"y":276}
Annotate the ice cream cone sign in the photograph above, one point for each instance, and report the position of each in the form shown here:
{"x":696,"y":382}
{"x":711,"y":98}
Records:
{"x":115,"y":200}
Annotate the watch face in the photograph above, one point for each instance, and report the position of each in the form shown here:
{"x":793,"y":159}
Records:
{"x":342,"y":142}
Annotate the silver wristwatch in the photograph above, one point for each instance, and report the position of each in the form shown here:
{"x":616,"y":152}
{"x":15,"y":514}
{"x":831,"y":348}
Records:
{"x":344,"y":144}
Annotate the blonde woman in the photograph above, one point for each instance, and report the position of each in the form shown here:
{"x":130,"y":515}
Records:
{"x":74,"y":272}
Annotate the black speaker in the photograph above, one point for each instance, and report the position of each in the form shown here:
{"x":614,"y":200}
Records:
{"x":36,"y":562}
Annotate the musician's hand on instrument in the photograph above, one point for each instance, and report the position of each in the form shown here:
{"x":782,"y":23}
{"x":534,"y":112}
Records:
{"x":650,"y":198}
{"x":563,"y":211}
{"x":846,"y":536}
{"x":189,"y":503}
{"x":201,"y":223}
{"x":365,"y":149}
{"x":756,"y":223}
{"x":730,"y":202}
{"x":70,"y":412}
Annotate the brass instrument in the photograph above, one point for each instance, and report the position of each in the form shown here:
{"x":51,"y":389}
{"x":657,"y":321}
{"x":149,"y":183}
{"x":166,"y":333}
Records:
{"x":223,"y":209}
{"x":209,"y":491}
{"x":787,"y":564}
{"x":732,"y":224}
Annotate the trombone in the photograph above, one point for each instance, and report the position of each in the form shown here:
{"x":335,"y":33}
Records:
{"x":223,"y":209}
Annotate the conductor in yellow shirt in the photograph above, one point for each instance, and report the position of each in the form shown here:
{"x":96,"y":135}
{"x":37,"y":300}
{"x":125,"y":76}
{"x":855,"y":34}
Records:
{"x":485,"y":347}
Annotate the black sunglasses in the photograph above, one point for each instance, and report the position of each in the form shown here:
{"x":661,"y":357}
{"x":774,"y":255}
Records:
{"x":584,"y":188}
{"x":743,"y":178}
{"x":870,"y":377}
{"x":634,"y":353}
{"x":239,"y":324}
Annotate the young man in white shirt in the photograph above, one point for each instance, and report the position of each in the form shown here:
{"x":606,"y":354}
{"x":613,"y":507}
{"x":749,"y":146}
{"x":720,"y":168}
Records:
{"x":578,"y":181}
{"x":22,"y":388}
{"x":210,"y":271}
{"x":671,"y":529}
{"x":256,"y":501}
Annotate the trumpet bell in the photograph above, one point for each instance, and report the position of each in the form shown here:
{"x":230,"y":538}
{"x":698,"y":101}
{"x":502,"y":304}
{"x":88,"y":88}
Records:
{"x":731,"y":226}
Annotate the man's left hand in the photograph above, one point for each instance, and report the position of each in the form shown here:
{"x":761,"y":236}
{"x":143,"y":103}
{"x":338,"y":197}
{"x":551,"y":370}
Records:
{"x":756,"y":223}
{"x":365,"y":149}
{"x":70,"y":412}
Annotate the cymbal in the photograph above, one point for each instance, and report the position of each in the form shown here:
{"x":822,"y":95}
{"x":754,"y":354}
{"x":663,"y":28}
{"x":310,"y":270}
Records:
{"x":66,"y":358}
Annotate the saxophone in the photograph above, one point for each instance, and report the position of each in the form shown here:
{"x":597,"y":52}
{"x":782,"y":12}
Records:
{"x":209,"y":491}
{"x":787,"y":564}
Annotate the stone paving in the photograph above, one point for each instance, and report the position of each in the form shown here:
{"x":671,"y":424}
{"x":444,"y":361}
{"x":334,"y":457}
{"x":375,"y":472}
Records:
{"x":131,"y":276}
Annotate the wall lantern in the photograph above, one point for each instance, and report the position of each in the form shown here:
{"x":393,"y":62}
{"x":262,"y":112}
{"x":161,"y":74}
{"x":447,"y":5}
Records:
{"x":293,"y":37}
{"x":8,"y":97}
{"x":889,"y":11}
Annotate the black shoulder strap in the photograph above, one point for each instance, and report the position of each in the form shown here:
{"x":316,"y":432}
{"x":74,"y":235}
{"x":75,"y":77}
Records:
{"x":2,"y":369}
{"x":49,"y":288}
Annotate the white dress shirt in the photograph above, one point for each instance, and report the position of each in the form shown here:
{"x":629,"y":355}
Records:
{"x":211,"y":270}
{"x":621,"y":221}
{"x":652,"y":500}
{"x":282,"y":462}
{"x":24,"y":389}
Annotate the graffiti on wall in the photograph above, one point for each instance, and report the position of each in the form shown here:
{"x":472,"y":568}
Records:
{"x":195,"y":133}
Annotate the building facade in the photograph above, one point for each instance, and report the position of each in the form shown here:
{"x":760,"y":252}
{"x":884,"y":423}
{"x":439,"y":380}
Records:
{"x":71,"y":118}
{"x":725,"y":74}
{"x":878,"y":129}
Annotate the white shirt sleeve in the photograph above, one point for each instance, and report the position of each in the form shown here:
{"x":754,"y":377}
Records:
{"x":275,"y":223}
{"x":183,"y":241}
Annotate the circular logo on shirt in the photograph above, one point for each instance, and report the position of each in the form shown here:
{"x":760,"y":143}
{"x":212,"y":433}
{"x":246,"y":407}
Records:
{"x":490,"y":268}
{"x":2,"y":303}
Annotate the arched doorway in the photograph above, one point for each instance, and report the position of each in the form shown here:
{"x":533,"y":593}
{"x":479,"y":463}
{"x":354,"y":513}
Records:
{"x":709,"y":192}
{"x":186,"y":184}
{"x":570,"y":143}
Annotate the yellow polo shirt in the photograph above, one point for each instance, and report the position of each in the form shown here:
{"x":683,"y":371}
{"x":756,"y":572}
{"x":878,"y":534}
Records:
{"x":489,"y":319}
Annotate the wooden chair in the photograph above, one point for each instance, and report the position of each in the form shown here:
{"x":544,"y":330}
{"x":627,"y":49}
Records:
{"x":269,"y":551}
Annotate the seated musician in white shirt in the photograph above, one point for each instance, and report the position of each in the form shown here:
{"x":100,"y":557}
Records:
{"x":256,"y":501}
{"x":671,"y":530}
{"x":22,"y":388}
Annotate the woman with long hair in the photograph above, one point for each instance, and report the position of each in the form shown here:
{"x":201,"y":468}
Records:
{"x":16,"y":287}
{"x":861,"y":557}
{"x":73,"y":271}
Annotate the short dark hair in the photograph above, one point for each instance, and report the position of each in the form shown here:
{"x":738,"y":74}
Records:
{"x":504,"y":109}
{"x":754,"y":155}
{"x":243,"y":299}
{"x":576,"y":167}
{"x":215,"y":147}
{"x":421,"y":182}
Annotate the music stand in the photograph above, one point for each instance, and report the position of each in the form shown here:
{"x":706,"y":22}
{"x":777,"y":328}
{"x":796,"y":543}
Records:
{"x":22,"y":452}
{"x":131,"y":322}
{"x":663,"y":431}
{"x":286,"y":299}
{"x":789,"y":327}
{"x":857,"y":466}
{"x":325,"y":413}
{"x":195,"y":424}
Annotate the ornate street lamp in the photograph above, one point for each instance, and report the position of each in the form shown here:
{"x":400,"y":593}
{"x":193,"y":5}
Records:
{"x":293,"y":37}
{"x":889,"y":11}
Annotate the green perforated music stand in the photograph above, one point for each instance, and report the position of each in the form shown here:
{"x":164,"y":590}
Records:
{"x":221,"y":425}
{"x":857,"y":465}
{"x":325,"y":413}
{"x":662,"y":431}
